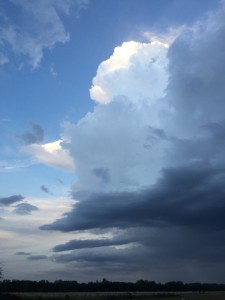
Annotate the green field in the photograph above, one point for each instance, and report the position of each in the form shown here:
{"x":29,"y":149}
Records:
{"x":123,"y":296}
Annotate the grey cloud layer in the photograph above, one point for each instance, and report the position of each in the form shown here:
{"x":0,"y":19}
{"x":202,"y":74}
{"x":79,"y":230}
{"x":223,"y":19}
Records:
{"x":80,"y":244}
{"x":105,"y":255}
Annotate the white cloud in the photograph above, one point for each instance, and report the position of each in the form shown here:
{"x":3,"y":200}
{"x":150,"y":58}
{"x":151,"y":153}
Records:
{"x":167,"y":37}
{"x":51,"y":154}
{"x":135,"y":70}
{"x":119,"y":139}
{"x":123,"y":139}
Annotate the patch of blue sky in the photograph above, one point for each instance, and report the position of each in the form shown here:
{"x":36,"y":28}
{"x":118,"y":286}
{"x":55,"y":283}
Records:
{"x":26,"y":180}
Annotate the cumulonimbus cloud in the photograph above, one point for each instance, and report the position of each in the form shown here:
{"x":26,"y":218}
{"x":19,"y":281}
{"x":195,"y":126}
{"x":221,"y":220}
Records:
{"x":161,"y":153}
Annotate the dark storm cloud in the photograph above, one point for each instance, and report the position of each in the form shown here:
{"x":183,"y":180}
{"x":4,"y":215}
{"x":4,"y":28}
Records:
{"x":37,"y":257}
{"x":187,"y":244}
{"x":25,"y":209}
{"x":154,"y":250}
{"x":191,"y":196}
{"x":109,"y":255}
{"x":6,"y":201}
{"x":178,"y":251}
{"x":80,"y":244}
{"x":34,"y":137}
{"x":196,"y":67}
{"x":179,"y":223}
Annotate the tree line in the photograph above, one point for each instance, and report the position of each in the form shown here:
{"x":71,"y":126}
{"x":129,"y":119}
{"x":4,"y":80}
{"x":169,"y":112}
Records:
{"x":105,"y":286}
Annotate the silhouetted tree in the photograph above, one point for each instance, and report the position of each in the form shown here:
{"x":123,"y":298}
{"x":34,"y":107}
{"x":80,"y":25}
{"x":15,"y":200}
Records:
{"x":10,"y":286}
{"x":1,"y":275}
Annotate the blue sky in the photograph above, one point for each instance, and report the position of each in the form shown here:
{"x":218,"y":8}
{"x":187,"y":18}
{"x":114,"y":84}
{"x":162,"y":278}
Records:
{"x":107,"y":106}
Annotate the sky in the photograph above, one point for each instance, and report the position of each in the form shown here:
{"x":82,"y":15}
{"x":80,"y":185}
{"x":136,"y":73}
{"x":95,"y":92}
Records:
{"x":112,"y":140}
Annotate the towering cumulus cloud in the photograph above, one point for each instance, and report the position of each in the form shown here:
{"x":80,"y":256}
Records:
{"x":135,"y":70}
{"x":150,"y":159}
